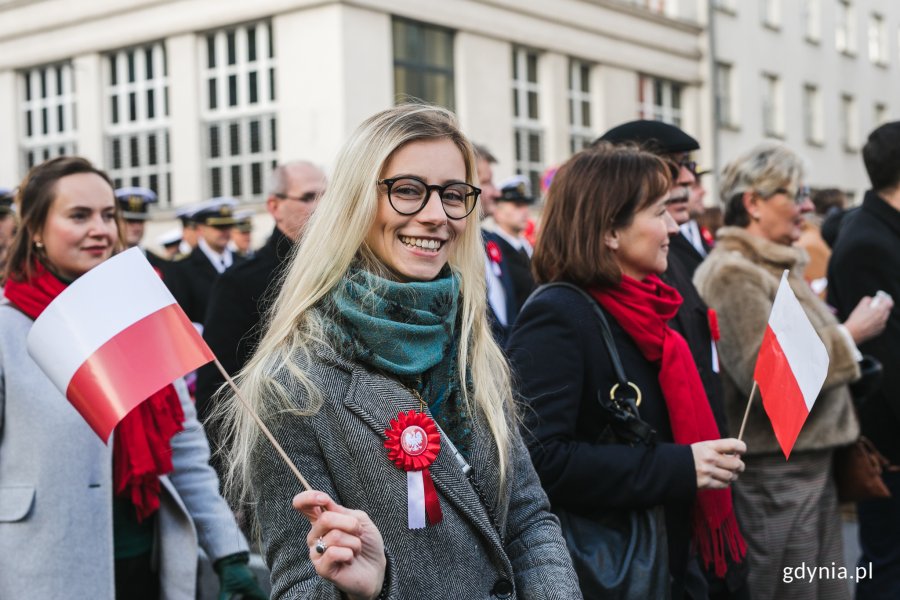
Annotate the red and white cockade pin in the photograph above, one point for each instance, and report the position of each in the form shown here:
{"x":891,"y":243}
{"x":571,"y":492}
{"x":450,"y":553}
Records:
{"x":493,"y":252}
{"x":413,"y":443}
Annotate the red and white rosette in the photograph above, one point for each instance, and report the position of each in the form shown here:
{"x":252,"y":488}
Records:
{"x":495,"y":256}
{"x":413,"y":443}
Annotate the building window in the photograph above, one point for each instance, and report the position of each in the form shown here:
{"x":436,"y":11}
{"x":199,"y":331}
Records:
{"x":878,"y":43}
{"x":659,"y":100}
{"x":773,"y":106}
{"x":136,"y":127}
{"x":663,"y":7}
{"x":813,"y":115}
{"x":880,"y":114}
{"x":812,"y":18}
{"x":581,"y":135}
{"x":726,"y":6}
{"x":48,"y":114}
{"x":528,"y":131}
{"x":845,"y":28}
{"x":770,"y":11}
{"x":238,"y":111}
{"x":725,"y":113}
{"x":423,"y":63}
{"x":849,"y":123}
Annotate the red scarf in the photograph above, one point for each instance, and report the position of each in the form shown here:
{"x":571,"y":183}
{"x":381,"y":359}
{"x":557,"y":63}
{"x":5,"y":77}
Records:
{"x":643,"y":309}
{"x":141,"y":446}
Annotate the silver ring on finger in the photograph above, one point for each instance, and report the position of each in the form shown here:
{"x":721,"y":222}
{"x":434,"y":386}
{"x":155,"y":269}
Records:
{"x":321,"y":546}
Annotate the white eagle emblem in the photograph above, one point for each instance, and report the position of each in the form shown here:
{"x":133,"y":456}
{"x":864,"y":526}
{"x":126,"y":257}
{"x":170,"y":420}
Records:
{"x":414,"y":440}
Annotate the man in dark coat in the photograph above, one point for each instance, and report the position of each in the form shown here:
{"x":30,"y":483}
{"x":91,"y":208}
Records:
{"x":191,"y":278}
{"x":135,"y":203}
{"x":511,"y":213}
{"x":241,"y":296}
{"x":501,"y":295}
{"x":866,"y":260}
{"x":693,"y":319}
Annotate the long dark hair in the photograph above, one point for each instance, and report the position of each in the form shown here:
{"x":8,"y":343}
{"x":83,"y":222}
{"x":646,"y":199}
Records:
{"x":34,"y":198}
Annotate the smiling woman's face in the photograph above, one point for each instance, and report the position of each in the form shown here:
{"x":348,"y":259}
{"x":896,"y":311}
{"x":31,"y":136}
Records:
{"x":416,"y":247}
{"x":80,"y":231}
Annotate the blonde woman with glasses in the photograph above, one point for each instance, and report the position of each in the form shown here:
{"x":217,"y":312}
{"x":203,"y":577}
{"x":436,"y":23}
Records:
{"x":379,"y":375}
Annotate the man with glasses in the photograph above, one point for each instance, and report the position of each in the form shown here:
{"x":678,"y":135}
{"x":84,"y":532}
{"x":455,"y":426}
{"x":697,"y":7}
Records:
{"x":693,"y":319}
{"x":241,"y":296}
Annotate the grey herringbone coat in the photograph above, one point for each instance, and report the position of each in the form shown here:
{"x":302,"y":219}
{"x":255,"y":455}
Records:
{"x":341,"y":451}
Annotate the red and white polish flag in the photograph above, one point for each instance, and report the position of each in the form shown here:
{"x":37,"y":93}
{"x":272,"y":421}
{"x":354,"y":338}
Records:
{"x":791,"y":367}
{"x":112,"y":338}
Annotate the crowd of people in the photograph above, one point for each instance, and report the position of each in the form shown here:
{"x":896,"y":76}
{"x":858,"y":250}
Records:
{"x":481,"y":411}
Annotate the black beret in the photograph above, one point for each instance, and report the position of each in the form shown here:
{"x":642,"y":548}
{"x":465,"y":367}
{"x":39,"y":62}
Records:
{"x":655,"y":136}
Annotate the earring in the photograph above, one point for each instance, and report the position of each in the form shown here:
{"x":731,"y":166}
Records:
{"x":39,"y":245}
{"x":755,"y":216}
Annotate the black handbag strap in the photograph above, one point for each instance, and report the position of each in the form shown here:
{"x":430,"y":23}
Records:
{"x":622,"y":405}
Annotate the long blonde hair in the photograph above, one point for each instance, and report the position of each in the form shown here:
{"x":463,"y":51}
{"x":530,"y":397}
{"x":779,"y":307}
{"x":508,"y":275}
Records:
{"x":334,"y":237}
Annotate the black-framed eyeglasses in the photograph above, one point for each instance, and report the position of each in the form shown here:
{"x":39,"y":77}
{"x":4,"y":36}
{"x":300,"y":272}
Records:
{"x":305,"y":198}
{"x":800,"y":196}
{"x":409,"y":195}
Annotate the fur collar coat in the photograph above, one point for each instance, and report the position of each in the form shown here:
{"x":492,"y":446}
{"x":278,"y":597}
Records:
{"x":739,"y":280}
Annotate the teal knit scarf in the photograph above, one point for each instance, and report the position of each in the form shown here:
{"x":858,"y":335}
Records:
{"x":408,"y":330}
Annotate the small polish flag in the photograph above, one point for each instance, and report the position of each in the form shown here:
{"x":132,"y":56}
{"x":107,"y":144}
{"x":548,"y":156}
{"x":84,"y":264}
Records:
{"x":114,"y":337}
{"x":791,"y":366}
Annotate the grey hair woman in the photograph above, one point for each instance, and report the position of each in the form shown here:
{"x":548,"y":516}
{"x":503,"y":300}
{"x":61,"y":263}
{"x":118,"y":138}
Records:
{"x":765,"y":199}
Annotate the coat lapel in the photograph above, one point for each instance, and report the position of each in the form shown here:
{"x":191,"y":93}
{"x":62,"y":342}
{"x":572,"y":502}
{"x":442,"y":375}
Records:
{"x":377,"y":399}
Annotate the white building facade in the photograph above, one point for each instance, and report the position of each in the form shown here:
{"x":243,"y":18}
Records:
{"x":817,"y":75}
{"x":200,"y":98}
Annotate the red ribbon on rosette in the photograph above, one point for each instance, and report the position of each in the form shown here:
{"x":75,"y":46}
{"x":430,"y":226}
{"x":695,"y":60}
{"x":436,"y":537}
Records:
{"x":495,"y":256}
{"x":413,"y":443}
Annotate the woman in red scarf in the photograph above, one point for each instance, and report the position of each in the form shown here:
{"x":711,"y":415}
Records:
{"x":606,"y":230}
{"x":78,"y":518}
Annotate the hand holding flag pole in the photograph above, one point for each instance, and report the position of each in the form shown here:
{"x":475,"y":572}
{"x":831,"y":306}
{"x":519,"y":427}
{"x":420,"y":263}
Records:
{"x":790,"y":369}
{"x":109,"y":318}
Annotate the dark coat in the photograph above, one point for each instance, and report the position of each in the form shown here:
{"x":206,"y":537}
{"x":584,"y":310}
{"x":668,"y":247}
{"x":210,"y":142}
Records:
{"x":692,"y":322}
{"x":684,"y":252}
{"x":866,"y":259}
{"x":157,"y":262}
{"x":190,"y":281}
{"x":560,"y":363}
{"x":519,"y":271}
{"x":238,"y":301}
{"x":509,"y":292}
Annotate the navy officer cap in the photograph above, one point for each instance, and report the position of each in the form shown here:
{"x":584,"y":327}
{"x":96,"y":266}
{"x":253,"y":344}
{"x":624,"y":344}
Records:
{"x":516,"y":189}
{"x":217,"y":212}
{"x":655,"y":136}
{"x":135,"y":201}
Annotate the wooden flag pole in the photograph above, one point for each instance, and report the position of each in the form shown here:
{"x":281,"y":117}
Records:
{"x":747,"y":412}
{"x":263,"y":427}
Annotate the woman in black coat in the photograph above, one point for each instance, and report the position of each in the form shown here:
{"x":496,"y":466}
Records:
{"x":606,"y":231}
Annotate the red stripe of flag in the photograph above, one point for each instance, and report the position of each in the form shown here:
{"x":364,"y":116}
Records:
{"x":780,"y":392}
{"x":170,"y":347}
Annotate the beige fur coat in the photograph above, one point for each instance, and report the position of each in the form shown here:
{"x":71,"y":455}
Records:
{"x":739,"y":280}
